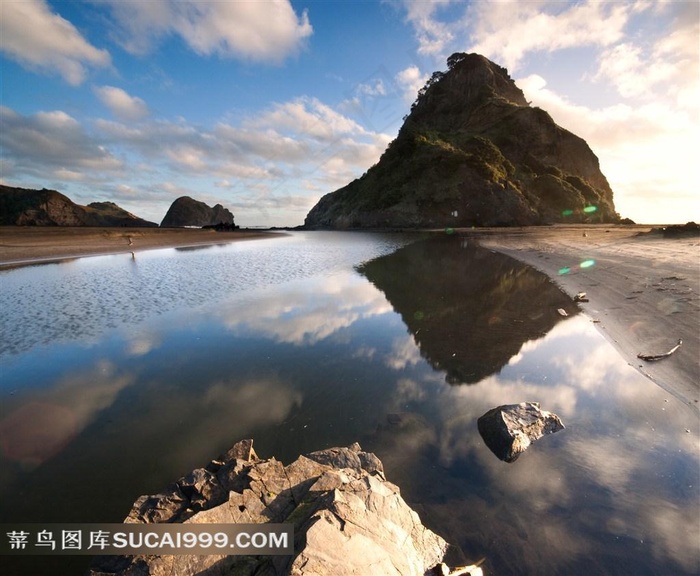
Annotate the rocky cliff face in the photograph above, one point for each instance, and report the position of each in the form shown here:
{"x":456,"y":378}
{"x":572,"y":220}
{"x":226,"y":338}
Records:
{"x":186,"y":211}
{"x":472,"y":152}
{"x":27,"y":207}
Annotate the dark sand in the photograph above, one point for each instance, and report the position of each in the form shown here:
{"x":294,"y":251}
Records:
{"x":21,"y":245}
{"x":643,"y":289}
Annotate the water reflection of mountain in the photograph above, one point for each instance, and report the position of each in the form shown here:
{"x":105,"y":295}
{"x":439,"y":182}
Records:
{"x":470,"y":310}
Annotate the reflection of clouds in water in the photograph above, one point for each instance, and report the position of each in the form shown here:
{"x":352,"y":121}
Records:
{"x":308,"y":313}
{"x":461,"y":406}
{"x":667,"y":522}
{"x":608,"y":461}
{"x":36,"y":431}
{"x":610,"y":467}
{"x":142,"y":342}
{"x":228,"y":411}
{"x":364,"y":352}
{"x":404,"y":353}
{"x":259,"y":402}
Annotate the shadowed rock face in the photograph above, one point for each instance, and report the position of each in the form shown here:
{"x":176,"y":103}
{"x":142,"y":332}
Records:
{"x":186,"y":211}
{"x":27,"y":207}
{"x":348,"y":519}
{"x":472,"y":152}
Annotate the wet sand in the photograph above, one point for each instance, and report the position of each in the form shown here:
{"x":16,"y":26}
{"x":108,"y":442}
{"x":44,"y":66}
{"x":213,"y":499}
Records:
{"x":643,"y":290}
{"x":20,"y":245}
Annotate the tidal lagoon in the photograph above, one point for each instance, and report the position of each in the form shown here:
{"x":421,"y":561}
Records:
{"x":119,"y":374}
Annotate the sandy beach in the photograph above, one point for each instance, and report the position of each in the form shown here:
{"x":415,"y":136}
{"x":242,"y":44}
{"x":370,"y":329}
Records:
{"x":643,"y":289}
{"x":20,"y":245}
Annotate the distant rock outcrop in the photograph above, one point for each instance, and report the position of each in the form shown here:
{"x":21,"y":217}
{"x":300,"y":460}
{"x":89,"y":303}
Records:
{"x":27,"y":207}
{"x":348,"y":519}
{"x":186,"y":211}
{"x":472,"y":152}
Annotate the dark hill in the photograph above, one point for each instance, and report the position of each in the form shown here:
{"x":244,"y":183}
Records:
{"x":186,"y":211}
{"x":27,"y":207}
{"x":472,"y":152}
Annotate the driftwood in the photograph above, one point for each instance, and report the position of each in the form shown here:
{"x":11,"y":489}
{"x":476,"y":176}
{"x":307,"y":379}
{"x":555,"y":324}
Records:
{"x":581,"y":297}
{"x":655,"y":357}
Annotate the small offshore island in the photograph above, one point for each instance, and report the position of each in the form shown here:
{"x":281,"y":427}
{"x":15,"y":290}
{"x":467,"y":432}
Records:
{"x":472,"y":160}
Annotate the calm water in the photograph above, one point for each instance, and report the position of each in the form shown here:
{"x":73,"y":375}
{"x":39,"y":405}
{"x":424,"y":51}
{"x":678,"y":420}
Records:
{"x":117,"y":376}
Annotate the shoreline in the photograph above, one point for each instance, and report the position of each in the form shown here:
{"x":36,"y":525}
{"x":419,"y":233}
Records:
{"x":30,"y":245}
{"x":643,"y":289}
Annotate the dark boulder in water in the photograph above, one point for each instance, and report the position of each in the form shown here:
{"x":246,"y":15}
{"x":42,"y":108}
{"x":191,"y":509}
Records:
{"x":509,"y":430}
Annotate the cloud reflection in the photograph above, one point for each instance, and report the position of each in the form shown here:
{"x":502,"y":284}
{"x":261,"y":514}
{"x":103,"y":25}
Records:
{"x":308,"y":313}
{"x":625,"y":467}
{"x":38,"y":430}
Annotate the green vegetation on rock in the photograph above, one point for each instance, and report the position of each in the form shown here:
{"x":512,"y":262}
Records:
{"x":472,"y":152}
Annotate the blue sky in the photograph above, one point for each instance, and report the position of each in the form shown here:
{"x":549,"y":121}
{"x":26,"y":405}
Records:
{"x":266,"y":105}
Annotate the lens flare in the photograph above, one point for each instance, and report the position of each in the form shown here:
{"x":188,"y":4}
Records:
{"x":590,"y":209}
{"x":587,"y":263}
{"x":564,"y":270}
{"x":567,"y":212}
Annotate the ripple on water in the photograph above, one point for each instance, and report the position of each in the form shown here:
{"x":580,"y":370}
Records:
{"x":79,"y":300}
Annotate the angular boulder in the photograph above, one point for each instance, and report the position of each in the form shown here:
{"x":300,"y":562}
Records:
{"x":510,"y":429}
{"x":348,"y":519}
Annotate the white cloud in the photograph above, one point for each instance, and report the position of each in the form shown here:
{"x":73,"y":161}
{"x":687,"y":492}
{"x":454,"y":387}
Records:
{"x":411,"y":80}
{"x":261,"y":31}
{"x":52,"y":140}
{"x":39,"y":39}
{"x":507,"y":31}
{"x":307,"y":117}
{"x":647,"y":151}
{"x":433,"y":35}
{"x":121,"y":104}
{"x":303,"y":138}
{"x":668,"y":66}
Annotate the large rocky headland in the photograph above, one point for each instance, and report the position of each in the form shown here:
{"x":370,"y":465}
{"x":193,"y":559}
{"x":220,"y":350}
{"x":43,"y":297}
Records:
{"x":473,"y":152}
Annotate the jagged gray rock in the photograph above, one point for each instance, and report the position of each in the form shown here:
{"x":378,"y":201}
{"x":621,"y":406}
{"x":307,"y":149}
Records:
{"x":510,"y":429}
{"x":348,"y":519}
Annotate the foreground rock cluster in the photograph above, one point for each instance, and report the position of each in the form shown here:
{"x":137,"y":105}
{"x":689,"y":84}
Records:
{"x":348,"y":519}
